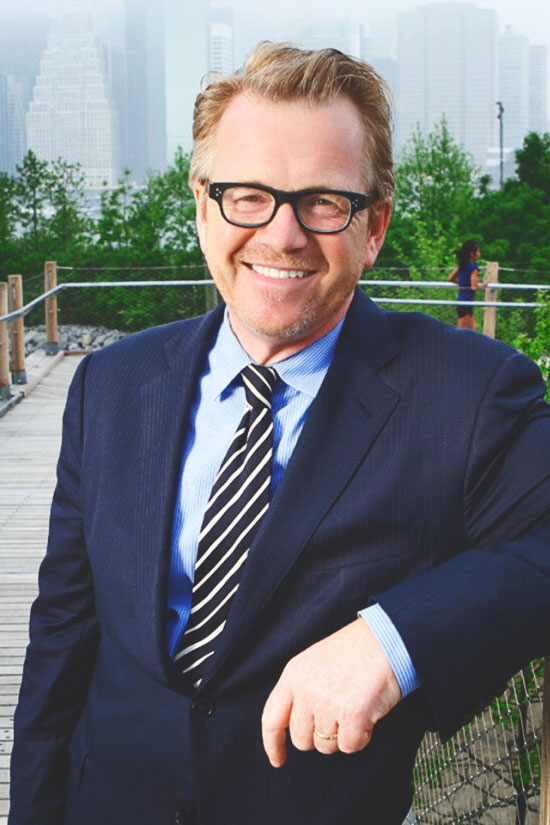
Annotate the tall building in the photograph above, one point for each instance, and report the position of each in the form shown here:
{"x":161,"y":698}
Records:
{"x":185,"y":65}
{"x":538,"y":89}
{"x":22,"y":42}
{"x":13,"y":138}
{"x":513,"y":86}
{"x":144,"y":112}
{"x":221,"y":41}
{"x":71,"y":114}
{"x":345,"y":36}
{"x":447,"y":67}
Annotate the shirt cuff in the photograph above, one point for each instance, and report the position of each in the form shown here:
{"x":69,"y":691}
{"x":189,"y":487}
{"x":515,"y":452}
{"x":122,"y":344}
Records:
{"x":393,"y":646}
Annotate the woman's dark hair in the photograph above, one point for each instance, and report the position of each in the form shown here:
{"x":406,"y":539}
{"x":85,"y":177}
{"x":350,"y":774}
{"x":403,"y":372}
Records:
{"x":467,"y":249}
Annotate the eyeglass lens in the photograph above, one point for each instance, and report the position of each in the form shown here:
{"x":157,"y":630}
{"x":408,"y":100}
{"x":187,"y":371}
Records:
{"x":323,"y":210}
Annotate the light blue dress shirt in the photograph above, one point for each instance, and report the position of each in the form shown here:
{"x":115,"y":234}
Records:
{"x":216,"y":412}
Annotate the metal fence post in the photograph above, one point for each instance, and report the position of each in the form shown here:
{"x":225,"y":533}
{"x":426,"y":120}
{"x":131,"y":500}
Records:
{"x":17,"y":331}
{"x":212,"y":298}
{"x":545,"y":772}
{"x":490,"y":313}
{"x":50,"y":282}
{"x":5,"y":386}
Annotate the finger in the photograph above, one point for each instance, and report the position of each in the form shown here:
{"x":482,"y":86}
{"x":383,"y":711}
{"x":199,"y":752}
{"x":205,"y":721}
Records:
{"x":325,"y":735}
{"x":353,"y":736}
{"x":275,"y":720}
{"x":301,"y":728}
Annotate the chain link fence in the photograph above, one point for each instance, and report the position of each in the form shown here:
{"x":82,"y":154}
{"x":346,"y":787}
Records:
{"x":490,"y":772}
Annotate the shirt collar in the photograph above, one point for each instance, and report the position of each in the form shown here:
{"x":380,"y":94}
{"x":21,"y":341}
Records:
{"x":304,"y":371}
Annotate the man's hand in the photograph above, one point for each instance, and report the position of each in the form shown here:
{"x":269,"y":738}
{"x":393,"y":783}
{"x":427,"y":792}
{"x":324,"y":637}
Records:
{"x":341,"y":685}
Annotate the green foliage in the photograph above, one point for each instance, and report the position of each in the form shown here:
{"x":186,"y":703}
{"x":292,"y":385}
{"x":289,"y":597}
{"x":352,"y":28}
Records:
{"x":435,"y":188}
{"x":435,"y":179}
{"x":68,"y":225}
{"x":31,"y":195}
{"x":7,"y":208}
{"x":440,"y":203}
{"x":537,"y":345}
{"x":435,"y":185}
{"x":44,"y":215}
{"x":533,"y":162}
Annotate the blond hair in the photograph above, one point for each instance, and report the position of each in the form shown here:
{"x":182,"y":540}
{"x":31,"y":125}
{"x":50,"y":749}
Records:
{"x":282,"y":72}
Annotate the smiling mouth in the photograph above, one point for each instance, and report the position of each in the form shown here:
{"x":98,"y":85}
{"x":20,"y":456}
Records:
{"x":280,"y":274}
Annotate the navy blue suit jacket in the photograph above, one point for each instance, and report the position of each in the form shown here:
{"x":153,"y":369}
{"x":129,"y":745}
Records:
{"x":421,"y":480}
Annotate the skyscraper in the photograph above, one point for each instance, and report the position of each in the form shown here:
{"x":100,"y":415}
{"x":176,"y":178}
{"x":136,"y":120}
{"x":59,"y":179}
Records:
{"x":71,"y":114}
{"x":144,"y":115}
{"x":447,"y":67}
{"x":13,"y":139}
{"x":538,"y":89}
{"x":344,"y":35}
{"x":22,"y":42}
{"x":221,"y":41}
{"x":513,"y":91}
{"x":186,"y":63}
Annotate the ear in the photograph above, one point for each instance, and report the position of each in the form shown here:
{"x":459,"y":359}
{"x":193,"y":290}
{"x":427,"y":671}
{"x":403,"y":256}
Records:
{"x":199,"y":193}
{"x":376,"y":232}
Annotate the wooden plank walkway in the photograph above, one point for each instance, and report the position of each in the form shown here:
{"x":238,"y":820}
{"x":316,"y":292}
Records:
{"x":29,"y":445}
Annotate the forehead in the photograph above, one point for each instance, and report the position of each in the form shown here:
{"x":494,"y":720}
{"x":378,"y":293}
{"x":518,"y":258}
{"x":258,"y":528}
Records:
{"x":290,"y":144}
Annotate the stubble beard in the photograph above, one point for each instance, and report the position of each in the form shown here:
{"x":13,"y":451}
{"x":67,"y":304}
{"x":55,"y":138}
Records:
{"x":299,"y":328}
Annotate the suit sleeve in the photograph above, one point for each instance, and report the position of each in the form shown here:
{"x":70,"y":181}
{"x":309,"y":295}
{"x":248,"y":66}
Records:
{"x":473,"y":621}
{"x":63,"y":644}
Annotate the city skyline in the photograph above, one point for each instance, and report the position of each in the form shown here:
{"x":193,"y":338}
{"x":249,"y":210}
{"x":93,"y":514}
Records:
{"x":530,"y":18}
{"x":153,"y":59}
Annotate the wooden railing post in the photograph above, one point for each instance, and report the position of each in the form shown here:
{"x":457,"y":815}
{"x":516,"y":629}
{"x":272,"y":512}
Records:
{"x":545,"y":772}
{"x":490,"y":313}
{"x":17,"y":331}
{"x":5,"y":386}
{"x":50,"y":282}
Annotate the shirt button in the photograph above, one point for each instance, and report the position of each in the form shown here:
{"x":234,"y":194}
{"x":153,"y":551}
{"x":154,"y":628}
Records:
{"x":203,"y":706}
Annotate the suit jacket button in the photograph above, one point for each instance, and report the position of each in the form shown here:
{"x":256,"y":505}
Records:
{"x":203,"y":706}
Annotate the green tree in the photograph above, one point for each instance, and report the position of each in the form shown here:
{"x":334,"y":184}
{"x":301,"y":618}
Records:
{"x":434,"y":202}
{"x":163,"y":214}
{"x":32,"y":194}
{"x":533,"y":162}
{"x":7,"y":208}
{"x":116,"y":210}
{"x":435,"y":179}
{"x":68,"y":225}
{"x":537,"y":344}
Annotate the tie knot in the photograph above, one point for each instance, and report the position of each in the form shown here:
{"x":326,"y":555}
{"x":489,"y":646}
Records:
{"x":258,"y":384}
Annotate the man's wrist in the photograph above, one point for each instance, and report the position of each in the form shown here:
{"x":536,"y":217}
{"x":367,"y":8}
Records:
{"x":393,"y":646}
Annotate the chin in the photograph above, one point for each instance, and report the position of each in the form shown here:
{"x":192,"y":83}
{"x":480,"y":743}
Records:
{"x":291,"y":330}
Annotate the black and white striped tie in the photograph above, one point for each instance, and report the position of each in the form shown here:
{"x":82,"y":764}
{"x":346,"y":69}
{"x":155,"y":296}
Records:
{"x":237,"y":504}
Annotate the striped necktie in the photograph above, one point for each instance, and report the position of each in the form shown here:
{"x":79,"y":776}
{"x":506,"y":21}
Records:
{"x":237,"y":504}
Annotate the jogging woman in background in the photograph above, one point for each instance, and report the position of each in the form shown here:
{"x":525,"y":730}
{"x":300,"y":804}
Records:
{"x":466,"y":275}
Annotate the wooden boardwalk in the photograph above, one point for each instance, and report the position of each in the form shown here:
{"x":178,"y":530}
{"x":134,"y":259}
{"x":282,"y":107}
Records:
{"x":29,"y":446}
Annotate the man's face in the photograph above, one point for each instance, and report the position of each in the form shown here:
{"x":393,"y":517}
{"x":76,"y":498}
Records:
{"x":286,"y":286}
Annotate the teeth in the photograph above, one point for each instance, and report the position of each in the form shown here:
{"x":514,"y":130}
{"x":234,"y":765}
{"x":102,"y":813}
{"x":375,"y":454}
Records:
{"x":271,"y":272}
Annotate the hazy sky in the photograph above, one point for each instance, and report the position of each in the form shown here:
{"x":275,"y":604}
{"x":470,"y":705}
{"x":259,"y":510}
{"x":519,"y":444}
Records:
{"x":529,"y":17}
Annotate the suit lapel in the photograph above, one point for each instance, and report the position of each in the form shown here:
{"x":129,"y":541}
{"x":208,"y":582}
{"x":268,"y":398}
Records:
{"x":164,"y":407}
{"x":351,"y":408}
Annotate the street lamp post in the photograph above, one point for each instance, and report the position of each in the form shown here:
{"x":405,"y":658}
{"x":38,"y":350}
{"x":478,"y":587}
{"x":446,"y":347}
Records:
{"x":501,"y":142}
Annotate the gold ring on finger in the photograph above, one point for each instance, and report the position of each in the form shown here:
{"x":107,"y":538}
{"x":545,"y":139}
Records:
{"x":329,"y":737}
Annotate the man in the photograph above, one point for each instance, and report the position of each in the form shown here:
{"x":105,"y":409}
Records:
{"x":401,"y":571}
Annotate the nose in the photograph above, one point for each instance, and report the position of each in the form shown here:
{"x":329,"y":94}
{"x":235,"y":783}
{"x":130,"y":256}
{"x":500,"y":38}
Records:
{"x":283,"y":232}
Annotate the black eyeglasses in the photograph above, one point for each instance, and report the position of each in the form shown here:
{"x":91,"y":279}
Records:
{"x":318,"y":210}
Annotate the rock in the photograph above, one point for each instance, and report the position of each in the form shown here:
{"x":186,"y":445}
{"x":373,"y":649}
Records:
{"x":72,"y":337}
